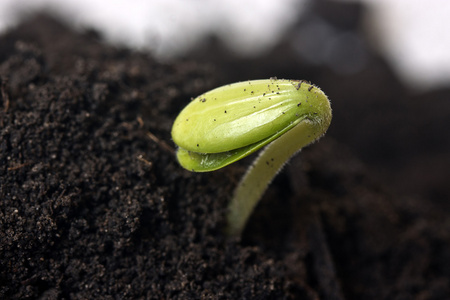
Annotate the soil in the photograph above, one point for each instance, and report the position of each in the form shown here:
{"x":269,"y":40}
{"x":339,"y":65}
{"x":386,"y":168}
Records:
{"x":95,"y":206}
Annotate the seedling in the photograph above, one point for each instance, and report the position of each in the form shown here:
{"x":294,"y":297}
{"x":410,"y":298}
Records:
{"x":228,"y":123}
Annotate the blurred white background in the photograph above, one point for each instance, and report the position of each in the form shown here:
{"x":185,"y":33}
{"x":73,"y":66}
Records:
{"x":413,"y":34}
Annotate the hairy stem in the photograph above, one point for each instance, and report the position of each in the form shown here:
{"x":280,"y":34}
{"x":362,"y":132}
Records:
{"x":266,"y":166}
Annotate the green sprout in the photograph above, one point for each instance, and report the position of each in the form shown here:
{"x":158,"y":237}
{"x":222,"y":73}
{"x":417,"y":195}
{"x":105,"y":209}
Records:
{"x":228,"y":123}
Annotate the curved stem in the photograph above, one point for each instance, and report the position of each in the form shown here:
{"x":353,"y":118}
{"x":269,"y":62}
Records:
{"x":266,"y":166}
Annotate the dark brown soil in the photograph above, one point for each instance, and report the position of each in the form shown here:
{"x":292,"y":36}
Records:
{"x":92,"y":206}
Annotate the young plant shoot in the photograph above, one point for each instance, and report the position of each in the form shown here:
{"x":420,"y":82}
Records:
{"x":228,"y":123}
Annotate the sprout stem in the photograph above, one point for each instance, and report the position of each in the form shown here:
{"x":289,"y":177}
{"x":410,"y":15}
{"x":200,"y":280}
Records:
{"x":266,"y":166}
